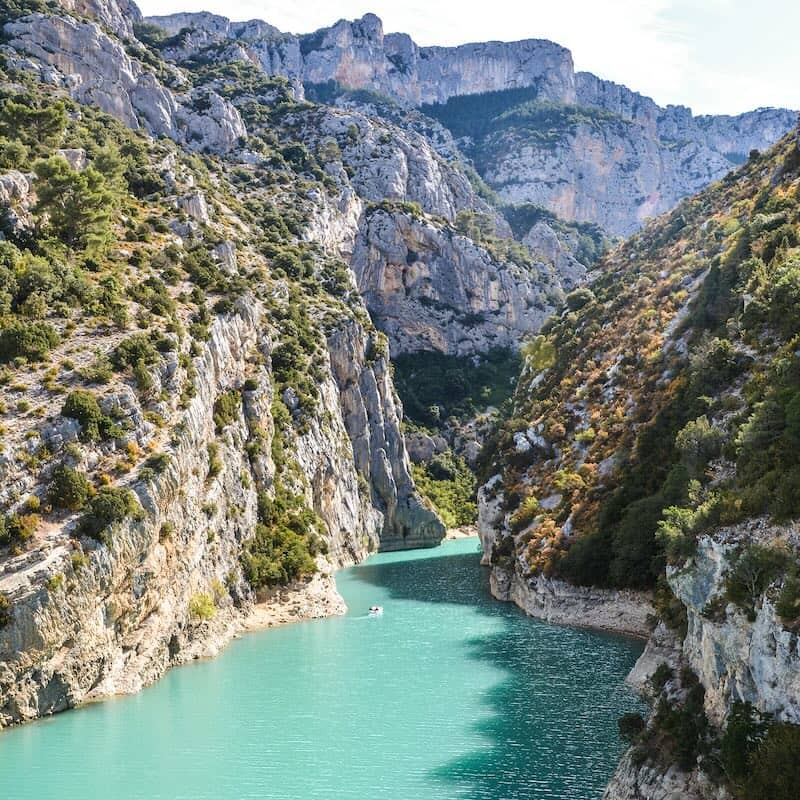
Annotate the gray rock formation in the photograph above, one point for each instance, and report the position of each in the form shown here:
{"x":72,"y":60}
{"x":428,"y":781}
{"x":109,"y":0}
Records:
{"x":131,"y":599}
{"x":547,"y":247}
{"x":614,"y":157}
{"x":429,"y":288}
{"x":736,"y":658}
{"x":96,"y":69}
{"x":358,"y":55}
{"x":118,"y":16}
{"x":615,"y":165}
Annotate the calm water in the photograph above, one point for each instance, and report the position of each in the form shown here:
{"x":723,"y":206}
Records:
{"x":448,"y":695}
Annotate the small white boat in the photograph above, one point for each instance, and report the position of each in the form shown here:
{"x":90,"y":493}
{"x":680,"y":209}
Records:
{"x":375,"y":611}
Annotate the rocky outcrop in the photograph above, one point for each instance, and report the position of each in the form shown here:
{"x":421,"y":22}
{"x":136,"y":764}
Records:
{"x":372,"y":419}
{"x":547,"y":247}
{"x":615,"y":171}
{"x":96,"y":69}
{"x":358,"y":55}
{"x":430,"y":288}
{"x":386,"y":162}
{"x":550,"y":599}
{"x":601,"y":154}
{"x":732,"y":136}
{"x":562,"y":603}
{"x":648,"y":781}
{"x":119,"y":16}
{"x":735,"y":657}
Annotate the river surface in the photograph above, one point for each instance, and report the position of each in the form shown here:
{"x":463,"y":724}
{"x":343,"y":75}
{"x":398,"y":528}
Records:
{"x":448,"y":695}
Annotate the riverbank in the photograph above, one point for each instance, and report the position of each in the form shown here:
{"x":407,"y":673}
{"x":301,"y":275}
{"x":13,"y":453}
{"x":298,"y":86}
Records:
{"x":315,"y":598}
{"x":558,"y":602}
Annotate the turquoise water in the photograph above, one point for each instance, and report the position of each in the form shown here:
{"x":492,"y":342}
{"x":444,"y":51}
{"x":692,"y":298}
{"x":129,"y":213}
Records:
{"x":448,"y":695}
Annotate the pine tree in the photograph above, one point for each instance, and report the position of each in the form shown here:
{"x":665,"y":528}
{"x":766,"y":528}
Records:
{"x":75,"y":206}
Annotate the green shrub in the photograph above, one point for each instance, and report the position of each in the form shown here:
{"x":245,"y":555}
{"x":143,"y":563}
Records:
{"x":450,"y":486}
{"x":788,"y":603}
{"x":579,"y":298}
{"x":134,"y":350}
{"x":25,"y":339}
{"x":630,"y":727}
{"x":775,"y":765}
{"x":214,"y":461}
{"x":77,"y":206}
{"x":745,"y":729}
{"x":285,"y":541}
{"x":69,"y":488}
{"x":524,"y":515}
{"x":6,"y":615}
{"x":110,"y":505}
{"x":539,"y":353}
{"x":83,"y":406}
{"x":662,"y":674}
{"x":698,"y":442}
{"x":752,"y":572}
{"x":17,"y":530}
{"x":201,"y":607}
{"x":158,"y":462}
{"x":226,"y":409}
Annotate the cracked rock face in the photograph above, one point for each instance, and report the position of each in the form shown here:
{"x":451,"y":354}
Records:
{"x":97,"y":70}
{"x":735,"y":658}
{"x":130,"y":600}
{"x":428,"y":288}
{"x":358,"y":55}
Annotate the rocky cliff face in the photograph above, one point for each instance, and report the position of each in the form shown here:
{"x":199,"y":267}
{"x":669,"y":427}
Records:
{"x":635,"y":448}
{"x":595,"y":151}
{"x":430,"y":288}
{"x":96,"y":68}
{"x":221,"y":422}
{"x":131,"y":599}
{"x":736,"y":658}
{"x":358,"y":55}
{"x":618,"y":159}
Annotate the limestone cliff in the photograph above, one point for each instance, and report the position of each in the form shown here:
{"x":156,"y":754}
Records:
{"x":96,"y":68}
{"x":129,"y":601}
{"x":650,"y":447}
{"x":358,"y":55}
{"x":587,"y":149}
{"x":234,"y":434}
{"x":430,"y":288}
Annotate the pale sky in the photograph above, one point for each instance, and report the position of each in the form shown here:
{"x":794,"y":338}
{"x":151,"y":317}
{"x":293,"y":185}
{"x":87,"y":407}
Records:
{"x":717,"y":56}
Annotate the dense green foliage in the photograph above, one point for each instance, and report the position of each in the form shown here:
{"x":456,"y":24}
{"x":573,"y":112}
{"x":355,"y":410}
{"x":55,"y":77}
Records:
{"x":69,"y":488}
{"x":450,"y":486}
{"x":29,"y":340}
{"x":227,"y":408}
{"x":77,"y":206}
{"x":473,"y":114}
{"x":16,"y":530}
{"x":109,"y":506}
{"x":591,"y":241}
{"x":678,"y":376}
{"x":83,"y":406}
{"x":434,"y":386}
{"x":5,"y":611}
{"x":285,"y":541}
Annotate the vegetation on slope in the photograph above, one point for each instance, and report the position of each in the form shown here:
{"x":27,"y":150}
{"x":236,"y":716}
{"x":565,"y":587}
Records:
{"x":105,"y":277}
{"x":668,"y":399}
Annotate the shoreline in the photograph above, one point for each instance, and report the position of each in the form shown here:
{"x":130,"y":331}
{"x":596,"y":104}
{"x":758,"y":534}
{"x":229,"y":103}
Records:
{"x":557,"y":602}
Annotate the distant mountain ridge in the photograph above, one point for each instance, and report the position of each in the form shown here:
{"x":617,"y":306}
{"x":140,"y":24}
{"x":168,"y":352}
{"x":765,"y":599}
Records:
{"x":632,"y":161}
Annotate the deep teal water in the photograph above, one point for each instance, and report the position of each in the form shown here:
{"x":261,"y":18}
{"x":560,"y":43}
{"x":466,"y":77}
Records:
{"x":448,"y":695}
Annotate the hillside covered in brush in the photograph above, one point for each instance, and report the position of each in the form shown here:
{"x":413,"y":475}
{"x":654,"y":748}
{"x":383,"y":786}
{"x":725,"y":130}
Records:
{"x":670,"y":382}
{"x":653,"y":445}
